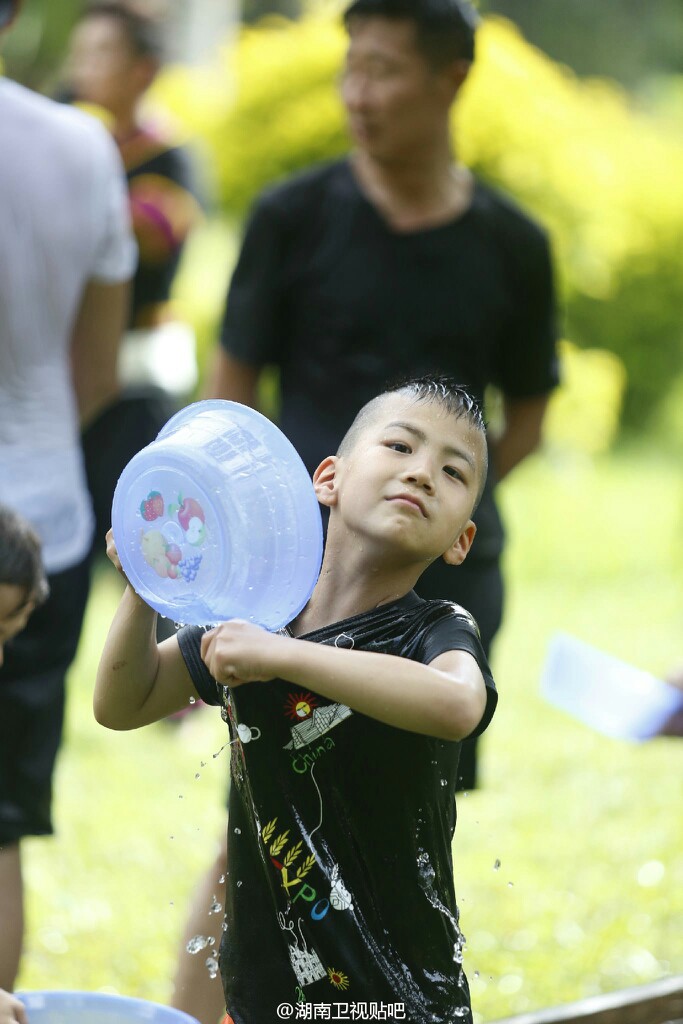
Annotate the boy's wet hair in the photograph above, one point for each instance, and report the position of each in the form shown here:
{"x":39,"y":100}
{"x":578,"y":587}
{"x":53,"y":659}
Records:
{"x":142,"y":31}
{"x":20,"y":559}
{"x":457,"y":399}
{"x":444,"y":29}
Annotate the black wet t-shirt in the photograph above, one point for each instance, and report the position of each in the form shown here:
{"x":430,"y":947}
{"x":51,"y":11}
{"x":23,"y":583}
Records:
{"x":340,"y":876}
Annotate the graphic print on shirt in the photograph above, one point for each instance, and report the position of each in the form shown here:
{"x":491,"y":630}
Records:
{"x":305,"y":962}
{"x":303,"y":899}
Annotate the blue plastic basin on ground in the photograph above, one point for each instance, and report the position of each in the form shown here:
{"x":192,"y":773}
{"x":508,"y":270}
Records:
{"x":96,"y":1008}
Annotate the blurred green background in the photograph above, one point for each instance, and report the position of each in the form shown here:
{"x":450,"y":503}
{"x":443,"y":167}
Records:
{"x":576,"y":110}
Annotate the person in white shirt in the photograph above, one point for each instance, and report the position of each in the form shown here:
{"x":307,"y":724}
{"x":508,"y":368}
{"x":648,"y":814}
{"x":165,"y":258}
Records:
{"x":66,"y":256}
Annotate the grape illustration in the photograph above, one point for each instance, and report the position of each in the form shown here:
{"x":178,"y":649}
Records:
{"x":189,"y":567}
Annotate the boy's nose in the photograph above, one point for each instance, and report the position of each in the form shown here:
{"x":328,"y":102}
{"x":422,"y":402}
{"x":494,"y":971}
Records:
{"x":420,"y":474}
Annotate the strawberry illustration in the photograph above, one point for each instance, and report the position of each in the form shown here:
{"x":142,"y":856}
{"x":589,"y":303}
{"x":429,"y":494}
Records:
{"x":174,"y":554}
{"x":152,"y":507}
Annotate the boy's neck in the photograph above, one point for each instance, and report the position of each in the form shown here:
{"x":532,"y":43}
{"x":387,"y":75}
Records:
{"x":346,"y":588}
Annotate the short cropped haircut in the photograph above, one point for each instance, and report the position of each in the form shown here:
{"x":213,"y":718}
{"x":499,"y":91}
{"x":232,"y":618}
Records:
{"x":20,"y":558}
{"x":143,"y":32}
{"x":445,"y":29}
{"x":455,"y":399}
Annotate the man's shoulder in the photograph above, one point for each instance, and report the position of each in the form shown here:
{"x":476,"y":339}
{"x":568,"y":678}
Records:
{"x":505,"y":214}
{"x":307,"y":188}
{"x":54,"y":131}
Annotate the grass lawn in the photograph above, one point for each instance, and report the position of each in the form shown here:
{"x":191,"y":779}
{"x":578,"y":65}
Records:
{"x":568,"y":860}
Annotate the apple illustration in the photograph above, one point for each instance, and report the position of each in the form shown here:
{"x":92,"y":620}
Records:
{"x":190,"y":509}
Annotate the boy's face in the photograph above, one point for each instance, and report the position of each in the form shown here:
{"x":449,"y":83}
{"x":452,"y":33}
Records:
{"x":411,"y":480}
{"x":15,"y":610}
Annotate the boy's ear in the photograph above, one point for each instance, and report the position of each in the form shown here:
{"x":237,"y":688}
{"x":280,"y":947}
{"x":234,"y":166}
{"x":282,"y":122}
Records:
{"x":457,"y":552}
{"x":325,"y":481}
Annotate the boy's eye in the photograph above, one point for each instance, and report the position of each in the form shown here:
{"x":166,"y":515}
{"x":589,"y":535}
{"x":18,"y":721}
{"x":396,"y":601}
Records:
{"x":453,"y":472}
{"x":399,"y":446}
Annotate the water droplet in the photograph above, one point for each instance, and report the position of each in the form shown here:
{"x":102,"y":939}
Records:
{"x":171,"y":837}
{"x":444,"y":782}
{"x":239,"y":884}
{"x":212,"y":965}
{"x":193,"y":700}
{"x":180,"y":796}
{"x":198,"y":942}
{"x":202,"y":764}
{"x":221,"y":880}
{"x":238,"y":831}
{"x":496,"y":864}
{"x":510,"y":884}
{"x":197,"y":775}
{"x":216,"y":908}
{"x":476,"y":974}
{"x":462,"y":1011}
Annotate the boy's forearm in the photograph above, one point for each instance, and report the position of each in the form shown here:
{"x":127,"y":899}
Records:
{"x":396,"y":691}
{"x":445,"y":699}
{"x":128,"y":665}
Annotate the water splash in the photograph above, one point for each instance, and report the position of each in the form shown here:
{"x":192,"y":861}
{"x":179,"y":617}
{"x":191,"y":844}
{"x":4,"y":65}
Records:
{"x":212,"y":966}
{"x":198,"y":942}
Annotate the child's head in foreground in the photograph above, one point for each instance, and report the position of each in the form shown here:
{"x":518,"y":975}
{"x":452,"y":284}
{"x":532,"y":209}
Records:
{"x":411,"y":470}
{"x":22,"y":578}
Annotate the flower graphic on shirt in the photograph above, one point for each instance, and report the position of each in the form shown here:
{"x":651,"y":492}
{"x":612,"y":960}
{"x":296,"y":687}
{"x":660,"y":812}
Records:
{"x":338,"y":978}
{"x":300,"y":705}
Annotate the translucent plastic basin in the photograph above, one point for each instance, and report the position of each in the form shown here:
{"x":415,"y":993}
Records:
{"x":96,"y":1008}
{"x":217,"y":519}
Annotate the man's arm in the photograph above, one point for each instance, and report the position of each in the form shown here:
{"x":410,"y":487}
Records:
{"x":445,"y":699}
{"x":95,"y":343}
{"x":232,"y":379}
{"x":521,"y":432}
{"x":138,"y":681}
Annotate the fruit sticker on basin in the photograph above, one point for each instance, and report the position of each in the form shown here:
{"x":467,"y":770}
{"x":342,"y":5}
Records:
{"x":218,"y":519}
{"x":168,"y":548}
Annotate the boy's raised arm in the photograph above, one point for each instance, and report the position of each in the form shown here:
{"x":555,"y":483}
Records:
{"x":138,"y":681}
{"x":445,"y":699}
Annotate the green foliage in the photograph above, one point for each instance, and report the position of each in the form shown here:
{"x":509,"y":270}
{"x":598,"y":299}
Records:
{"x":588,"y":830}
{"x":605,"y":180}
{"x":583,"y":414}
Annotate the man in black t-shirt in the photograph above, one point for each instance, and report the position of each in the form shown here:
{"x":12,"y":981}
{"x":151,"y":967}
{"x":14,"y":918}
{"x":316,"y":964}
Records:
{"x":346,"y":730}
{"x":397,"y":261}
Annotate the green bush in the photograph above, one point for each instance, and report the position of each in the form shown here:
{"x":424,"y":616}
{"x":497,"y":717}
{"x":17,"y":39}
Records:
{"x":604,"y":179}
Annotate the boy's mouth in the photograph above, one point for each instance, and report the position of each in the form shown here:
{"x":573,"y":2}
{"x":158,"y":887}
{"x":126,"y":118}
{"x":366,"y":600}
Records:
{"x":410,"y":499}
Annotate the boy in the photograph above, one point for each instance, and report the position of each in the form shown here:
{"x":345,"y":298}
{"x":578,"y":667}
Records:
{"x":22,"y":587}
{"x":346,"y":732}
{"x":22,"y":578}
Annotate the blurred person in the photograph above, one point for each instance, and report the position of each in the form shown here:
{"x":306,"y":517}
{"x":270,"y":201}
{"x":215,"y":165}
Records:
{"x":66,"y":256}
{"x":115,"y":52}
{"x":393,"y":261}
{"x":396,"y":260}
